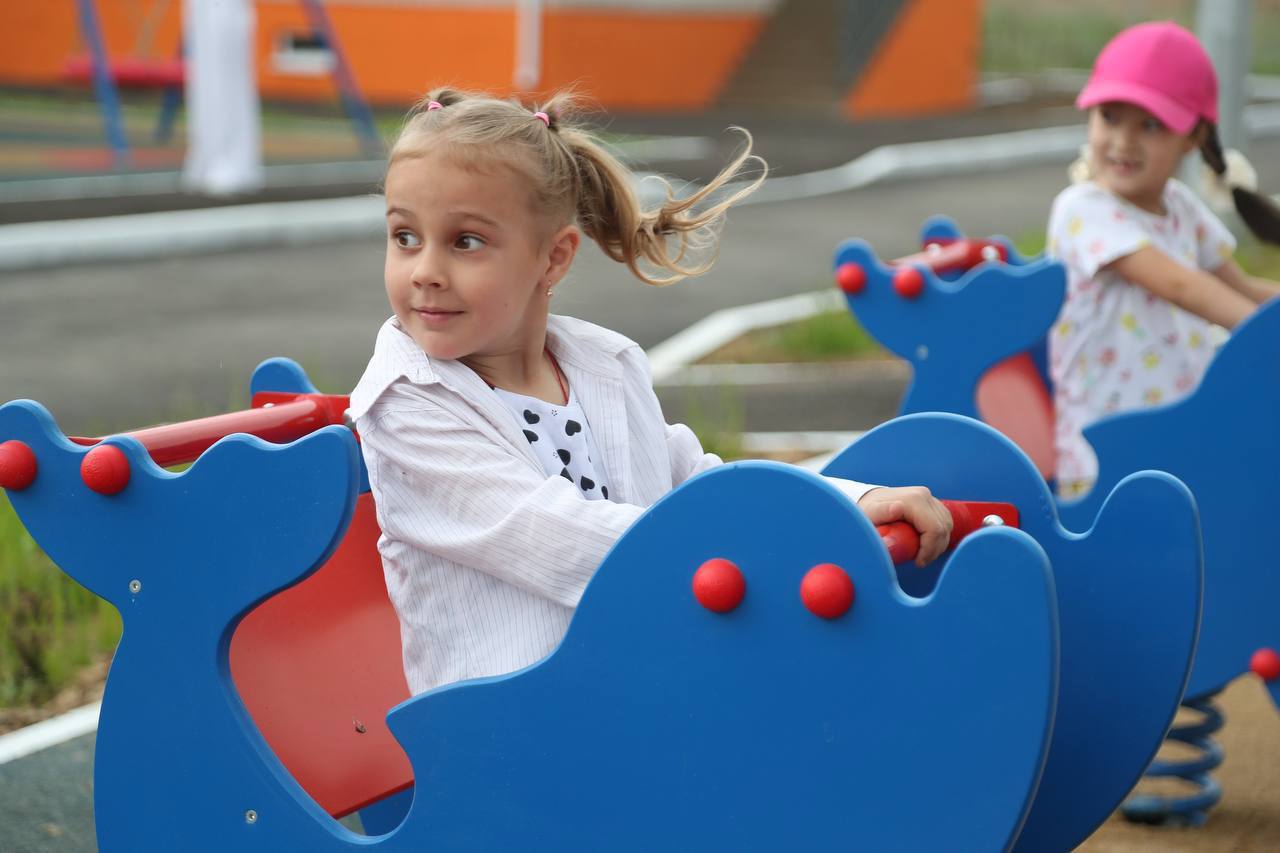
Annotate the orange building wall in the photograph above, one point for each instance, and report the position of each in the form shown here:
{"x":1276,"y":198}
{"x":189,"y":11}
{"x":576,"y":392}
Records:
{"x":927,"y":63}
{"x":37,"y":38}
{"x":621,"y":58}
{"x":396,"y":51}
{"x":646,"y":60}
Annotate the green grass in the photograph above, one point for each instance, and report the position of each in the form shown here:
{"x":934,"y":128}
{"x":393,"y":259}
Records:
{"x":830,"y":336}
{"x":1259,"y":259}
{"x":1255,"y":257}
{"x":50,"y":626}
{"x":718,"y":423}
{"x":1032,"y":35}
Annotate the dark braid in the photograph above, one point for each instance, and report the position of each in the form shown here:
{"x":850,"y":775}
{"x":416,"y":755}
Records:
{"x":1258,"y":211}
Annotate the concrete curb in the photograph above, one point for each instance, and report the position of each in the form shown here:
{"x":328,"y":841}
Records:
{"x":31,"y":245}
{"x":720,"y":327}
{"x":50,"y":732}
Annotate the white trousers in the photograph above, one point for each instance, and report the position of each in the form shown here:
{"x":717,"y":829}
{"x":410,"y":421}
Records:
{"x":224,"y":132}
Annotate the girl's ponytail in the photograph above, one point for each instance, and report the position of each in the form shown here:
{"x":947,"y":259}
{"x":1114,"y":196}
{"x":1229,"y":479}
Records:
{"x":573,"y":177}
{"x":610,"y":213}
{"x":1259,"y":212}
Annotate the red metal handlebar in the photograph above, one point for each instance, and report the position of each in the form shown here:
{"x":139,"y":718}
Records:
{"x":903,"y":542}
{"x":275,"y":417}
{"x":948,"y":256}
{"x":281,"y":418}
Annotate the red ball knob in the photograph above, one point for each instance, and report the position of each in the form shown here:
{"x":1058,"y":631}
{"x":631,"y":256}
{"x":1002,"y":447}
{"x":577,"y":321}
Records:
{"x":1265,"y":663}
{"x":851,"y":277}
{"x":908,"y":282}
{"x":105,"y":469}
{"x":827,"y":591}
{"x":17,"y":465}
{"x":718,"y":585}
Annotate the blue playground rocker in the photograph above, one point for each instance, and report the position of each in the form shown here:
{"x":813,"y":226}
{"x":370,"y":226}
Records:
{"x":974,"y":333}
{"x":744,"y":672}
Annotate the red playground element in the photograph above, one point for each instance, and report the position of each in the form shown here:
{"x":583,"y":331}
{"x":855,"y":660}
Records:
{"x":17,"y":465}
{"x":851,"y":278}
{"x":1265,"y":664}
{"x":278,"y":418}
{"x":827,"y":591}
{"x":943,"y":256}
{"x":903,"y":541}
{"x":1012,"y":397}
{"x":908,"y":282}
{"x":718,"y":585}
{"x":320,"y":664}
{"x":968,"y":516}
{"x":105,"y":469}
{"x":129,"y":72}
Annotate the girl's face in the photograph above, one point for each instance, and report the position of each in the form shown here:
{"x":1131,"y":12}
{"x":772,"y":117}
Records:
{"x":1133,"y":154}
{"x":468,"y":261}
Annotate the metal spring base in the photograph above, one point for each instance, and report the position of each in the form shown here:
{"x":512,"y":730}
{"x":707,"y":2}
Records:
{"x":1191,"y":810}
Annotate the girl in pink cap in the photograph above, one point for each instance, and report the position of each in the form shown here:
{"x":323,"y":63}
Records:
{"x":1149,"y":267}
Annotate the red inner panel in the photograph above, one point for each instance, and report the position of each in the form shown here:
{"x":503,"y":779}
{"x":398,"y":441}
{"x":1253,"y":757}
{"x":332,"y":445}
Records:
{"x":319,"y":665}
{"x":1012,"y":397}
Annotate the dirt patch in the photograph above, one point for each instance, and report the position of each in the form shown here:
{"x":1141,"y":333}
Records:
{"x":87,"y":687}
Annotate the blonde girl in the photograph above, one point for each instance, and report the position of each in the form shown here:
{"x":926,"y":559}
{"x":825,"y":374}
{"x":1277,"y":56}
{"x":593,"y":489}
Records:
{"x":508,"y":448}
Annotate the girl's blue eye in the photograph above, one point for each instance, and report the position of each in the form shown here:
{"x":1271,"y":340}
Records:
{"x":469,"y":242}
{"x":406,"y":239}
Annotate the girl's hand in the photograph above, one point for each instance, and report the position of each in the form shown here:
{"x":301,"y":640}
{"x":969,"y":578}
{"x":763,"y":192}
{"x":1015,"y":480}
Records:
{"x":916,"y":506}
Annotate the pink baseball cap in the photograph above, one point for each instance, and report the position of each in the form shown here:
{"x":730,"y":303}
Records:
{"x":1160,"y":67}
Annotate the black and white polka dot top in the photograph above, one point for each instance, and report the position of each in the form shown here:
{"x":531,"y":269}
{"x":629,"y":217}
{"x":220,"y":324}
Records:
{"x":561,"y":439}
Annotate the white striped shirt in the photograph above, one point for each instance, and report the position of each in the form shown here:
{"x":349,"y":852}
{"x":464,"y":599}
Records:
{"x":486,"y":555}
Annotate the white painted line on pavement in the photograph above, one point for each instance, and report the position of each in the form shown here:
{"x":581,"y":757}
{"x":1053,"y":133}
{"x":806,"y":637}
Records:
{"x":811,"y":441}
{"x":47,"y":733}
{"x":933,"y":159}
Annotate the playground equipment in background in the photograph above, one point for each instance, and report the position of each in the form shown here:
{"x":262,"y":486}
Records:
{"x":814,"y":704}
{"x":139,"y":70}
{"x":978,"y":326}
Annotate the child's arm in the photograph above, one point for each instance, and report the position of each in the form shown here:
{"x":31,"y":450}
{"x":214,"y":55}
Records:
{"x":913,"y":504}
{"x":1256,"y":289}
{"x":1193,"y":290}
{"x":686,"y":453}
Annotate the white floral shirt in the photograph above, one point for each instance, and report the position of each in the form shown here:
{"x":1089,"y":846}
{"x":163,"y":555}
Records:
{"x":1116,"y":346}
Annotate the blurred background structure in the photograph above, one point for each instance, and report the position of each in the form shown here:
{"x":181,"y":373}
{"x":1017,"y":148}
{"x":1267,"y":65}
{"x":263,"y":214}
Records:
{"x":316,"y":64}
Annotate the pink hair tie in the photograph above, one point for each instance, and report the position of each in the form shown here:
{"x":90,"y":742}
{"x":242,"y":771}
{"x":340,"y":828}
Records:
{"x":434,"y":105}
{"x":543,"y":117}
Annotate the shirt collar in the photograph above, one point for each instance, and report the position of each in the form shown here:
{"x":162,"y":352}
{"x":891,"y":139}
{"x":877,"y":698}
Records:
{"x":576,"y":344}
